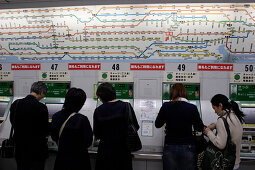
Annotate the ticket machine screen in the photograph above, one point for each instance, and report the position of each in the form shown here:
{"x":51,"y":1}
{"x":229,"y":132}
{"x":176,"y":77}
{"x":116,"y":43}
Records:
{"x":53,"y":108}
{"x":249,"y":117}
{"x":3,"y":106}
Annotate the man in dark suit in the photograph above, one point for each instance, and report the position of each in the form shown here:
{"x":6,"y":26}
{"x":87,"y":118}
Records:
{"x":29,"y":118}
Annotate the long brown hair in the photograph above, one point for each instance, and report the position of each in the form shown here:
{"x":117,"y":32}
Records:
{"x":178,"y":90}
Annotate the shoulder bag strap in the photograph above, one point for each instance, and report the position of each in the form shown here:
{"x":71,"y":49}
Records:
{"x":129,"y":115}
{"x":63,"y":125}
{"x":227,"y":128}
{"x":14,"y":117}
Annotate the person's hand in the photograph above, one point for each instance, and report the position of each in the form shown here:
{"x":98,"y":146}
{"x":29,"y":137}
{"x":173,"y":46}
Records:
{"x":206,"y":130}
{"x":212,"y":126}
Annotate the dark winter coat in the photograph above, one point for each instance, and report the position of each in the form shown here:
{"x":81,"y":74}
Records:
{"x":74,"y":141}
{"x":29,"y":118}
{"x":110,"y":126}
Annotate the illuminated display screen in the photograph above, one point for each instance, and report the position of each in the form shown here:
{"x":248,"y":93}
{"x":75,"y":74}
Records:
{"x":53,"y":108}
{"x":123,"y":90}
{"x":249,"y":115}
{"x":193,"y":91}
{"x":6,"y":88}
{"x":242,"y":92}
{"x":3,"y":107}
{"x":57,"y":89}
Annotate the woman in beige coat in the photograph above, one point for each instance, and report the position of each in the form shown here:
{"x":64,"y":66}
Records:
{"x":230,"y":110}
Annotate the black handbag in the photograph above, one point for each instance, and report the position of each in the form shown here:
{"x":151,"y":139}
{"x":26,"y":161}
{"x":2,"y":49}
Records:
{"x":201,"y":145}
{"x":220,"y":159}
{"x":200,"y":142}
{"x":8,"y":145}
{"x":133,"y":141}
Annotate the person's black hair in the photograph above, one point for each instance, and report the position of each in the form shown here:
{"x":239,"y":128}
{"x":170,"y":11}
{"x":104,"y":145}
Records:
{"x":74,"y":100}
{"x":106,"y":92}
{"x":39,"y":87}
{"x":227,"y":105}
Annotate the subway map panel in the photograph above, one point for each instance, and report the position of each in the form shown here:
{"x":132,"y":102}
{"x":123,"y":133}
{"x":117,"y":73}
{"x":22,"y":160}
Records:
{"x":163,"y":33}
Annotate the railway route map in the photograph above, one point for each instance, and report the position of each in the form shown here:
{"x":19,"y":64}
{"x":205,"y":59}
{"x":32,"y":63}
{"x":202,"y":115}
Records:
{"x":189,"y":32}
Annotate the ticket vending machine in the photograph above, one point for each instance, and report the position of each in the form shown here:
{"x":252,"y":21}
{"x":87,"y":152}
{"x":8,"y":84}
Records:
{"x":242,"y":90}
{"x":58,"y":83}
{"x":55,"y":97}
{"x":190,"y":80}
{"x":6,"y":94}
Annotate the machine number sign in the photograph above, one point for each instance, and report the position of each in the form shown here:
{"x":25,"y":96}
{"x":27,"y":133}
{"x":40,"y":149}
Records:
{"x":248,"y":68}
{"x":181,"y":67}
{"x":54,"y":67}
{"x":116,"y":67}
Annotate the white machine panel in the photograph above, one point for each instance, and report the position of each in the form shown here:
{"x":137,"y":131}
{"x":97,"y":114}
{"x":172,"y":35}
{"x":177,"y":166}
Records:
{"x":181,"y":77}
{"x":244,"y":78}
{"x":6,"y":76}
{"x":54,"y":76}
{"x":115,"y":76}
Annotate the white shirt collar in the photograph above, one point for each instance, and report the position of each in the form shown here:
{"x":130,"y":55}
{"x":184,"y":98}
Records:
{"x":182,"y":99}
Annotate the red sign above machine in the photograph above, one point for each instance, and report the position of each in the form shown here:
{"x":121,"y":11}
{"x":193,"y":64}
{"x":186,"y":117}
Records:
{"x":148,"y":66}
{"x":84,"y":66}
{"x":215,"y":67}
{"x":26,"y":66}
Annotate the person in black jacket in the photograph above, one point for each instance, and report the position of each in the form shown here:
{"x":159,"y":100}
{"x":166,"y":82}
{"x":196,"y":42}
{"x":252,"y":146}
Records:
{"x":76,"y":136}
{"x":29,"y":118}
{"x":179,"y":116}
{"x":110,"y":128}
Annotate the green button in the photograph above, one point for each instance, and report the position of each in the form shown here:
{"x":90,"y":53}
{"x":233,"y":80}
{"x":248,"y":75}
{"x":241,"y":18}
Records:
{"x":104,"y":76}
{"x":44,"y":75}
{"x":237,"y":77}
{"x":169,"y":76}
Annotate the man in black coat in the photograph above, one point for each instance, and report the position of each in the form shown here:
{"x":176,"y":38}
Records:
{"x":29,"y":118}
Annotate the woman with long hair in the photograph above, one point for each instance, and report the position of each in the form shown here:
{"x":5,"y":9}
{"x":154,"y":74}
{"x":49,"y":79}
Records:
{"x":228,"y":109}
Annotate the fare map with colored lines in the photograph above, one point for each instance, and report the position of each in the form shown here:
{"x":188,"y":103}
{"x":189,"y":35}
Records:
{"x":164,"y":33}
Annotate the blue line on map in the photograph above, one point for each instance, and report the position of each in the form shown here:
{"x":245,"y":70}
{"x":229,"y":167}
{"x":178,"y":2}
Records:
{"x":172,"y":44}
{"x":242,"y":37}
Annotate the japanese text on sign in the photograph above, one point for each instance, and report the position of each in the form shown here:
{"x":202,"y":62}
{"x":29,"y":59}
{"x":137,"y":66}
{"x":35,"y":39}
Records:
{"x":215,"y":67}
{"x":135,"y":66}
